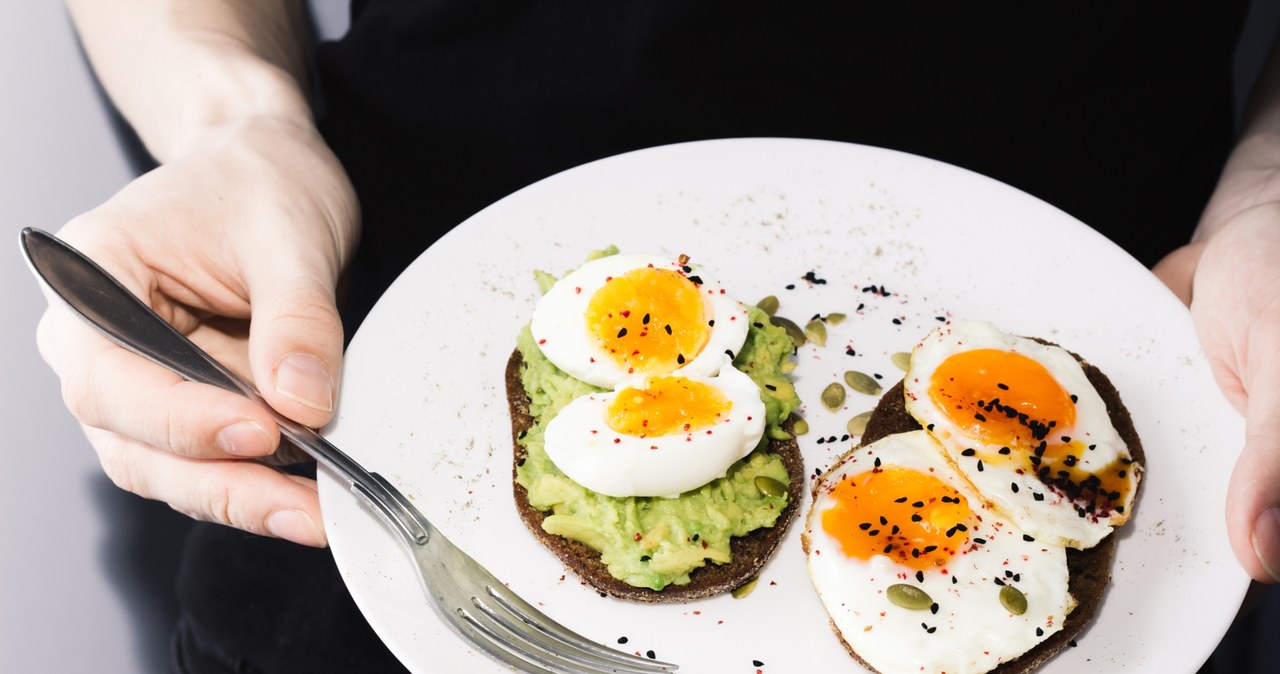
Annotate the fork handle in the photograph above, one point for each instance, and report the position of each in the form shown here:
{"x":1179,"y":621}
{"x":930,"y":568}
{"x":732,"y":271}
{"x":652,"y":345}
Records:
{"x":96,"y":296}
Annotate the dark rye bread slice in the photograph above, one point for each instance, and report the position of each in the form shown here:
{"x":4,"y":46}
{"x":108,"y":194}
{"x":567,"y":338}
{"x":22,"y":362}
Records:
{"x":1090,"y":570}
{"x":749,"y":552}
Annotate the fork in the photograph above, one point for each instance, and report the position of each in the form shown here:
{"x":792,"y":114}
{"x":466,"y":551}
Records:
{"x":472,"y":602}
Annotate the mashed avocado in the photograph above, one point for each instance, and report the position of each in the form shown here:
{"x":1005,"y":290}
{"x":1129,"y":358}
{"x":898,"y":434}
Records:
{"x":652,"y":541}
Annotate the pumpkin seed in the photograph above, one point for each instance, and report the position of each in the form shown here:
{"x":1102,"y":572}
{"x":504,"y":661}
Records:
{"x":1013,"y":600}
{"x":835,"y":319}
{"x":833,"y":396}
{"x":800,"y":426}
{"x":858,"y":424}
{"x":909,"y":597}
{"x":861,"y":382}
{"x":816,"y":331}
{"x":769,"y":486}
{"x":744,"y":589}
{"x":769,"y":305}
{"x":793,"y":330}
{"x":902,"y":360}
{"x":775,"y":433}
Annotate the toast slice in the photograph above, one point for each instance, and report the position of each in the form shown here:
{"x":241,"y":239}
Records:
{"x":750,"y":552}
{"x":1090,"y":570}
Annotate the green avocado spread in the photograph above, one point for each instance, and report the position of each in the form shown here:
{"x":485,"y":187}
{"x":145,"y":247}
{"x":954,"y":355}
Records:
{"x":654,"y":541}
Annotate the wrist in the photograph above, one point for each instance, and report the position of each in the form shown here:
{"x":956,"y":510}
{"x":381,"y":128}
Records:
{"x":208,"y":88}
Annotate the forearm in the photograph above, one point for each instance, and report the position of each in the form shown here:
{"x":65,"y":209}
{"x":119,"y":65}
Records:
{"x":181,"y":69}
{"x":1251,"y":176}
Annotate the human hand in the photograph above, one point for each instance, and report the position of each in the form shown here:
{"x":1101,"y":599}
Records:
{"x":239,"y":244}
{"x":1232,"y":280}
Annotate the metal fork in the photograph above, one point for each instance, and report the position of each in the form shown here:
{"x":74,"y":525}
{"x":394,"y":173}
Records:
{"x":471,"y":600}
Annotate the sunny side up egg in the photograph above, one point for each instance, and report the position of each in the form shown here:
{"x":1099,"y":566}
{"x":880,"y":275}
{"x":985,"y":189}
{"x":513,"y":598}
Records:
{"x":662,"y":437}
{"x":911,"y":564}
{"x":663,"y":337}
{"x":626,"y":316}
{"x":1021,"y":421}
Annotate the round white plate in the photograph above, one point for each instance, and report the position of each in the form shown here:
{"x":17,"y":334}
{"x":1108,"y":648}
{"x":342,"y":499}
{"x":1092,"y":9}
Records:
{"x":423,"y":400}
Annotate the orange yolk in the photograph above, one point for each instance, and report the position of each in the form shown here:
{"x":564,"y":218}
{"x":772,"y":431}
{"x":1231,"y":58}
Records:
{"x":911,"y":516}
{"x":670,"y":405}
{"x":1010,"y":401}
{"x":649,"y":320}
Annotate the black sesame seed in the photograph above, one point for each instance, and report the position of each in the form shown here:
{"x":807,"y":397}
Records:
{"x":1038,"y":496}
{"x":1070,"y":460}
{"x":883,"y":521}
{"x":757,"y":663}
{"x":667,"y":328}
{"x":876,"y":375}
{"x":954,"y":580}
{"x":979,"y":416}
{"x":791,"y":286}
{"x":680,"y":358}
{"x":520,"y":462}
{"x":888,"y":548}
{"x":771,"y":387}
{"x":979,"y":465}
{"x":697,"y":280}
{"x":969,"y":452}
{"x":895,"y":530}
{"x":1014,"y":487}
{"x":940,"y":319}
{"x":929,"y":548}
{"x":1002,"y":387}
{"x":849,"y":351}
{"x":915,"y":552}
{"x":821,"y":440}
{"x":920,"y":576}
{"x":1039,"y":632}
{"x":1000,"y":581}
{"x":622,"y":333}
{"x":1122,"y":473}
{"x":900,"y":499}
{"x":623,"y":640}
{"x":645,"y":320}
{"x":696,"y":537}
{"x":877,"y":463}
{"x":897,"y":321}
{"x":918,"y":504}
{"x":1066,"y":438}
{"x":980,"y":541}
{"x":711,"y":323}
{"x":758,"y":324}
{"x":915,"y":517}
{"x":1008,"y":573}
{"x":651,"y":654}
{"x":1028,"y":538}
{"x":645,"y":558}
{"x":1005,"y":450}
{"x":1072,"y":643}
{"x":933,"y":608}
{"x":844,"y":437}
{"x":873,"y":532}
{"x":929,"y":427}
{"x":729,"y":353}
{"x":1017,"y":578}
{"x":1074,"y":398}
{"x":864,"y":526}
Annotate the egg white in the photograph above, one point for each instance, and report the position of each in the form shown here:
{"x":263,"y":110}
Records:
{"x":582,"y":445}
{"x":1054,"y":517}
{"x":972,"y":631}
{"x":560,"y":326}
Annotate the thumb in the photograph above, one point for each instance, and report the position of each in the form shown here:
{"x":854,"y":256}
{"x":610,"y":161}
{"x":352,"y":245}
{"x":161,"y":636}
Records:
{"x":295,"y":340}
{"x":1253,"y":497}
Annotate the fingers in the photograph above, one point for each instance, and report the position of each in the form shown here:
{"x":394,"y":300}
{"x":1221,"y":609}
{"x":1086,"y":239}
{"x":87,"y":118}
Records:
{"x":1253,"y":499}
{"x":108,"y":388}
{"x":295,"y":347}
{"x":1178,"y":268}
{"x":242,"y":494}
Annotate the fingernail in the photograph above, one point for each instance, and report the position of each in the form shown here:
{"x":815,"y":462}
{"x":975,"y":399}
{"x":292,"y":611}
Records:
{"x":304,"y":379}
{"x":1266,"y":540}
{"x":244,"y":438}
{"x":296,"y":526}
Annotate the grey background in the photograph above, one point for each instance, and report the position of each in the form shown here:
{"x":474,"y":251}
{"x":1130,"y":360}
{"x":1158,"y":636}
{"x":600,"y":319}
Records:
{"x":77,"y":595}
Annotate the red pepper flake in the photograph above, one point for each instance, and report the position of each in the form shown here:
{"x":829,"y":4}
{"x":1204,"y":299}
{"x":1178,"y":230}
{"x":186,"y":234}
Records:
{"x":541,"y":342}
{"x":626,"y":313}
{"x":577,"y":291}
{"x":704,"y":545}
{"x":617,"y":441}
{"x":638,"y":536}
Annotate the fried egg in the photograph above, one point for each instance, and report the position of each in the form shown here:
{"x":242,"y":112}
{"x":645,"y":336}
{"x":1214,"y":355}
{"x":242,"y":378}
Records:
{"x":911,"y":563}
{"x":627,"y":316}
{"x":658,"y":436}
{"x":1021,"y":421}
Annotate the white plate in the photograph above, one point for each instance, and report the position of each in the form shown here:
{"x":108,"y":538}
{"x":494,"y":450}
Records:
{"x":423,"y":400}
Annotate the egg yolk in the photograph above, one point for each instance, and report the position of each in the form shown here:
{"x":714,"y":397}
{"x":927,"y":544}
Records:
{"x":649,"y":320}
{"x":1011,"y":401}
{"x":913,"y":517}
{"x":669,"y":405}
